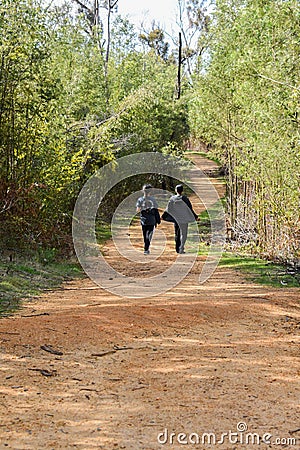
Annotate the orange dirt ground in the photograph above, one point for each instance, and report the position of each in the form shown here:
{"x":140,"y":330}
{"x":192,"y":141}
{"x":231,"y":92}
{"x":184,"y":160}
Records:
{"x":198,"y":359}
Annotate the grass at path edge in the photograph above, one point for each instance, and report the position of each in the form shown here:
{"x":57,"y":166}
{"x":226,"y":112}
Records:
{"x":29,"y":275}
{"x":25,"y":279}
{"x":261,"y":271}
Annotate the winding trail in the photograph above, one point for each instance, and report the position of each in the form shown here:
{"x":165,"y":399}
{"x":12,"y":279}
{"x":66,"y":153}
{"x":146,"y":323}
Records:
{"x":196,"y":359}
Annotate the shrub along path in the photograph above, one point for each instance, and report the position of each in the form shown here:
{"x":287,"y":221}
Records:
{"x":82,"y":368}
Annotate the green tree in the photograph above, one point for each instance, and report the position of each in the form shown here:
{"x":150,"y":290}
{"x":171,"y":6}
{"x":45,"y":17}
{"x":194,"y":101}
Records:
{"x":247,"y":108}
{"x":66,"y":110}
{"x":155,"y":40}
{"x":193,"y":21}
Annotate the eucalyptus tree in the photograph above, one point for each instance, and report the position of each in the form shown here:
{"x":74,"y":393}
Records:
{"x":247,"y":108}
{"x":155,"y":40}
{"x":28,"y":89}
{"x":63,"y":113}
{"x":100,"y":28}
{"x":193,"y":21}
{"x":124,"y":38}
{"x":49,"y":91}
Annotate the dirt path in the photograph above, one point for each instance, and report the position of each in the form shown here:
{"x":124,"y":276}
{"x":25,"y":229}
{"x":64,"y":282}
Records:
{"x":197,"y":359}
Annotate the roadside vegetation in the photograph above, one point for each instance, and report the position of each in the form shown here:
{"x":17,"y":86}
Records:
{"x":245,"y":108}
{"x":26,"y":279}
{"x":261,"y":271}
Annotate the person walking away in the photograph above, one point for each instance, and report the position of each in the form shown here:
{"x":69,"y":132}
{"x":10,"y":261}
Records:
{"x":149,"y":215}
{"x":181,"y":209}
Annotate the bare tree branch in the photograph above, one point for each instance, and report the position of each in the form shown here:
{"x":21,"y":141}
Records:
{"x":82,"y":5}
{"x":276,"y":81}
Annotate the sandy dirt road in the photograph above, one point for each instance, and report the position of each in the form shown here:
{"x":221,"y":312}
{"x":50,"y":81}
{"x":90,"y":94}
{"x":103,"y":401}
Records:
{"x":219,"y":358}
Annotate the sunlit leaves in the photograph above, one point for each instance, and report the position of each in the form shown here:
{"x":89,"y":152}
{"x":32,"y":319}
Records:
{"x":248,"y":107}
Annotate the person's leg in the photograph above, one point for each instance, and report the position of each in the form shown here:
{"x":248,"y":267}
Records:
{"x":183,"y":236}
{"x":148,"y":234}
{"x":177,"y":236}
{"x":144,"y":228}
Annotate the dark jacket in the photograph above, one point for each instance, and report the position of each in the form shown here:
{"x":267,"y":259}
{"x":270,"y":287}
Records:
{"x":149,"y":213}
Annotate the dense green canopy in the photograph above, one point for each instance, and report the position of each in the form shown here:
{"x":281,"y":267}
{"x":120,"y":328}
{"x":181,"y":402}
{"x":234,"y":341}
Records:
{"x":246,"y":106}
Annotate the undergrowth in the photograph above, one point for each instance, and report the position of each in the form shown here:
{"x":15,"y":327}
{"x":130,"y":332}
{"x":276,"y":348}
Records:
{"x":24,"y":275}
{"x":261,"y":271}
{"x":22,"y":279}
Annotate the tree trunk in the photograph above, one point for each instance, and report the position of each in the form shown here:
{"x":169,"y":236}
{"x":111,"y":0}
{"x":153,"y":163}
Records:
{"x":110,"y":6}
{"x":179,"y":67}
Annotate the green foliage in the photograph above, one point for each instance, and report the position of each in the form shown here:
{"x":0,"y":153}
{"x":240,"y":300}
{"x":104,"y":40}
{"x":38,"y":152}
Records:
{"x":247,"y":108}
{"x":123,"y":38}
{"x":23,"y":279}
{"x":103,"y":232}
{"x":261,"y":271}
{"x":146,"y":116}
{"x":155,"y":39}
{"x":67,"y":108}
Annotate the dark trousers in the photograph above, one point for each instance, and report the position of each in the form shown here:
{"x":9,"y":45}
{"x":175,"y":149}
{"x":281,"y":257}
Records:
{"x":147,"y":234}
{"x":180,"y":236}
